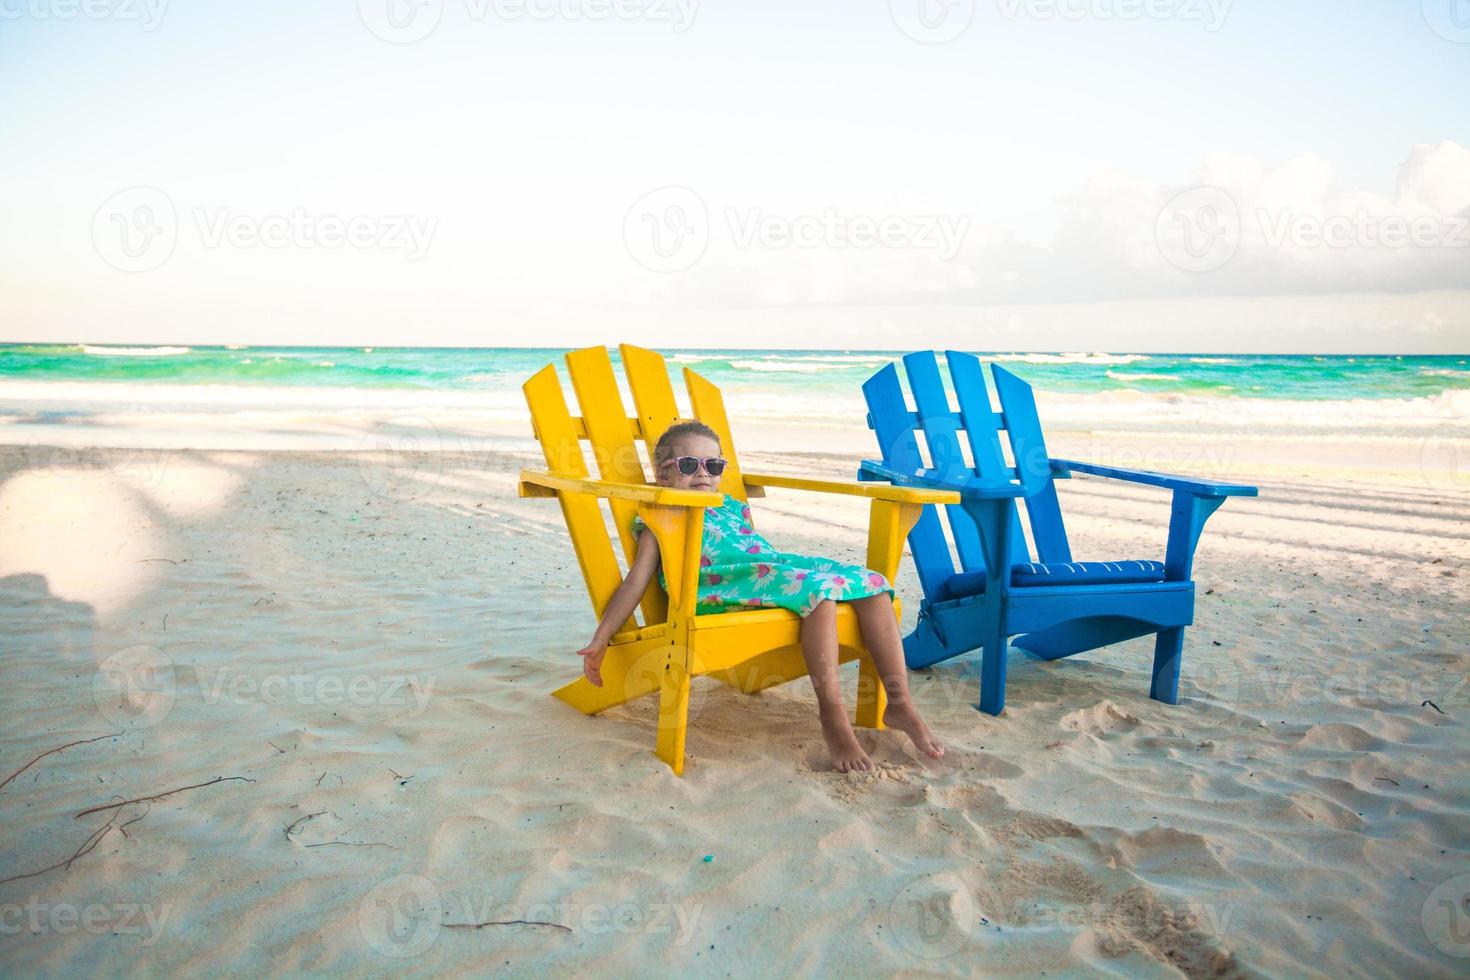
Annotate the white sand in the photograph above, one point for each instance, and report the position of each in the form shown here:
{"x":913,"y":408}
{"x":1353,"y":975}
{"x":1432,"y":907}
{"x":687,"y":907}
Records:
{"x":373,"y":647}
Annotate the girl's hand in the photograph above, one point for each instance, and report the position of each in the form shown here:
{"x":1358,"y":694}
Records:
{"x":592,"y":655}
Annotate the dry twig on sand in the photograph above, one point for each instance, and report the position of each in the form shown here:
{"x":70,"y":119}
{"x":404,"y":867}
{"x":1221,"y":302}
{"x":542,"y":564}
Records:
{"x":87,"y":846}
{"x":301,"y":820}
{"x":506,"y":922}
{"x":50,"y":751}
{"x":159,"y":796}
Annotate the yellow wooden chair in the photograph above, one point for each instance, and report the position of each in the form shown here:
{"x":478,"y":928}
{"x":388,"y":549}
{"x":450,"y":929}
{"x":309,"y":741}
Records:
{"x":750,"y":650}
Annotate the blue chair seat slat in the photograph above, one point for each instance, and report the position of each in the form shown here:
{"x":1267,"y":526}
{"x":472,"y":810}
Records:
{"x":1027,"y":574}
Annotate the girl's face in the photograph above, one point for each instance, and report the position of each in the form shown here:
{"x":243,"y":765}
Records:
{"x":689,"y":445}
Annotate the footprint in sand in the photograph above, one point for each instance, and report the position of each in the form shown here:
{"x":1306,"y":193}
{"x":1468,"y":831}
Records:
{"x":1167,"y":851}
{"x":1102,"y":719}
{"x":1340,"y":738}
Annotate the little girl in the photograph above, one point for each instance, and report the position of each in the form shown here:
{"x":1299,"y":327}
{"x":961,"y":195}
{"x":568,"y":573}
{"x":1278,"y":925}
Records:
{"x":739,"y":570}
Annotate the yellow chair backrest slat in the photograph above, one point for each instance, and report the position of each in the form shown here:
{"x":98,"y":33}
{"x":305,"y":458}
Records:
{"x":608,"y":430}
{"x":709,"y":408}
{"x":583,"y":513}
{"x":653,"y":394}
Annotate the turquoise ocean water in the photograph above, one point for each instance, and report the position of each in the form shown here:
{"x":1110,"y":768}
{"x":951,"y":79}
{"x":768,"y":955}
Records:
{"x":1292,"y":377}
{"x":294,"y":388}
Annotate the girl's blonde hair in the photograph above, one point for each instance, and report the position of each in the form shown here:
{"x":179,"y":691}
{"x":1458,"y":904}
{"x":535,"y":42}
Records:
{"x":664,"y":449}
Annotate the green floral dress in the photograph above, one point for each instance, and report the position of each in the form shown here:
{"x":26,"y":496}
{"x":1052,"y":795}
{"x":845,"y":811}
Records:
{"x":740,"y":570}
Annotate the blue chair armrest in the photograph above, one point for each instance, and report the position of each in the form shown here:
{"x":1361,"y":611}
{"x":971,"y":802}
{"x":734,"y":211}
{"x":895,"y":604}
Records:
{"x":1200,"y":488}
{"x":871,"y":470}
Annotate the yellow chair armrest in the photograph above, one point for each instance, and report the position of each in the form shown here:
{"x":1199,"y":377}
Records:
{"x":538,"y":483}
{"x":873,"y":491}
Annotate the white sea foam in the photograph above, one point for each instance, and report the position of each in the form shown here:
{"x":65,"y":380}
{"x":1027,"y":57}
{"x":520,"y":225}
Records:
{"x":832,"y":358}
{"x":1070,"y":358}
{"x":143,"y":398}
{"x":214,"y":415}
{"x":133,"y":351}
{"x":1133,"y":407}
{"x":1124,"y":376}
{"x":784,"y":367}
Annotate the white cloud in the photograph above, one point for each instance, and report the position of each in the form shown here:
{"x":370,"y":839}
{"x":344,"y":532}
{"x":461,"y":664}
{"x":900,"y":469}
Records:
{"x":1296,"y":230}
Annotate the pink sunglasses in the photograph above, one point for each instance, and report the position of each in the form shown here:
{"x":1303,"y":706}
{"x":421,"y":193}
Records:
{"x":689,"y":465}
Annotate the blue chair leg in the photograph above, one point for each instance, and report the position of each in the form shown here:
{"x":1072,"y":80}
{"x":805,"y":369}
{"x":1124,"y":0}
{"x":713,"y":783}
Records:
{"x":993,"y":677}
{"x":1168,"y":650}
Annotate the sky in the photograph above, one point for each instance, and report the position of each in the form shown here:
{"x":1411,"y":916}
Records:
{"x":1178,"y":175}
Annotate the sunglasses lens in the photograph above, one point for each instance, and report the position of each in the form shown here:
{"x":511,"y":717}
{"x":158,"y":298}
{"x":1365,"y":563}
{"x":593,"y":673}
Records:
{"x":714,"y":467}
{"x":688,"y":465}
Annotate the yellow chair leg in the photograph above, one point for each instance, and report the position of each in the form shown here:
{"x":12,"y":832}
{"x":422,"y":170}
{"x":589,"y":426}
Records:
{"x":872,"y":700}
{"x":630,"y":670}
{"x":673,"y":715}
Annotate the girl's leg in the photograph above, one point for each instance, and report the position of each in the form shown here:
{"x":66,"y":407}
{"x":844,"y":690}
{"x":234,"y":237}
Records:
{"x":880,"y":635}
{"x":819,"y":648}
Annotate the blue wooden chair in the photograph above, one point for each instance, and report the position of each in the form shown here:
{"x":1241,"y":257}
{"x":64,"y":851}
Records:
{"x":1056,"y":605}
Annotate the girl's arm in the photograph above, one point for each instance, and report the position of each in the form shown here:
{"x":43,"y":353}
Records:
{"x":621,"y":605}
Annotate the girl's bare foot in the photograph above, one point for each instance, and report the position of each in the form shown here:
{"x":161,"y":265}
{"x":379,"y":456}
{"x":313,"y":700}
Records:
{"x":905,"y":717}
{"x":842,"y":743}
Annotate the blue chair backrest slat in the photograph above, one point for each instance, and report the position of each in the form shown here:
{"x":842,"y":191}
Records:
{"x":941,"y":432}
{"x":893,"y":423}
{"x":982,"y":424}
{"x":1033,"y":465}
